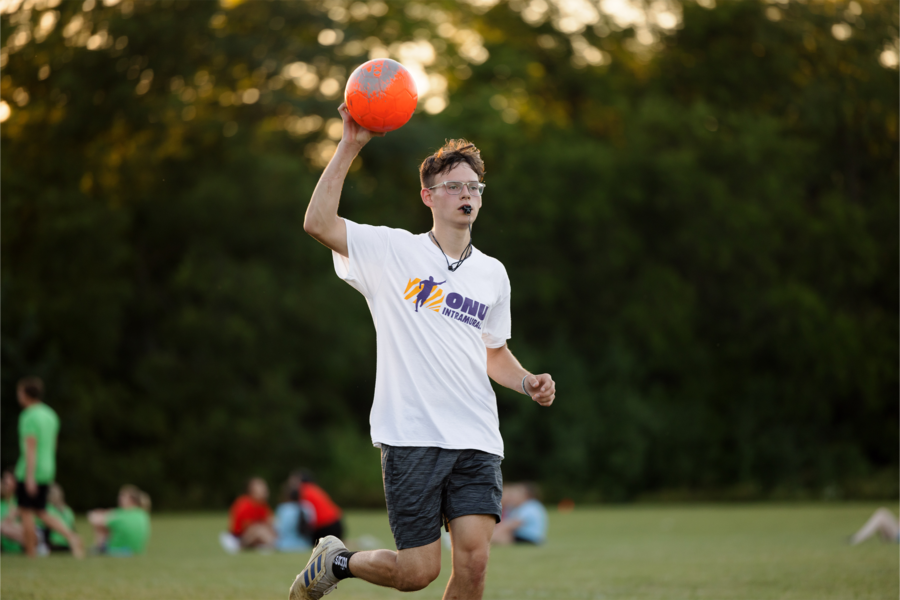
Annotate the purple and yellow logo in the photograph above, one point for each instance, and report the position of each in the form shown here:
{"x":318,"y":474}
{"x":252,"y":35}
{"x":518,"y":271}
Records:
{"x":427,"y":294}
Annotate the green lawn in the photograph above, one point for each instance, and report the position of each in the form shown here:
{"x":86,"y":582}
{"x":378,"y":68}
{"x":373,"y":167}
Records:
{"x":642,"y":552}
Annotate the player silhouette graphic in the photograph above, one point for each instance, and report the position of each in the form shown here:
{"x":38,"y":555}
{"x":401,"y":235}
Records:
{"x":426,"y":286}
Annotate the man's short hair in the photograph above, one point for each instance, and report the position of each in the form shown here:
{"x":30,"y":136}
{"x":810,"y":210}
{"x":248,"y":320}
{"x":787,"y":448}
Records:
{"x":33,"y":387}
{"x":452,"y":153}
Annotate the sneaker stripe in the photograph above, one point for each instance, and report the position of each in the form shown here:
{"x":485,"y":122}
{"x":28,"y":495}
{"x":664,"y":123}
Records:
{"x":306,"y":577}
{"x":319,"y":563}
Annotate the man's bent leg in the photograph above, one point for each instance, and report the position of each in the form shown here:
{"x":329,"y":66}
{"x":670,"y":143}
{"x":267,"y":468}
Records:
{"x":407,"y":570}
{"x":471,"y":540}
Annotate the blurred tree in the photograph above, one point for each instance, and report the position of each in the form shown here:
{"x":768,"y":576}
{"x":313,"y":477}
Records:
{"x":699,"y":218}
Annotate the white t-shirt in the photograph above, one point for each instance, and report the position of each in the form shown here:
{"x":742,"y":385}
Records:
{"x":433,"y":327}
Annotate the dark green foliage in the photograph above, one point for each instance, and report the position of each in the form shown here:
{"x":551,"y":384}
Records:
{"x":702,"y":242}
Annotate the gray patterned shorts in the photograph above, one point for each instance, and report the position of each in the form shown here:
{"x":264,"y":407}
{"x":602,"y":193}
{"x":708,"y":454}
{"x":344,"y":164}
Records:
{"x":426,"y":487}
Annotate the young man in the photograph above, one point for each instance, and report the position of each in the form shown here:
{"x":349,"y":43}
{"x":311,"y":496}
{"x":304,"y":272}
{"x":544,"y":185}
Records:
{"x":434,"y":414}
{"x":36,"y":469}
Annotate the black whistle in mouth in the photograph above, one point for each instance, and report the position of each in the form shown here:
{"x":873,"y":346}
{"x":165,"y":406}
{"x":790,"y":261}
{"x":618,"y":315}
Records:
{"x":467,"y":210}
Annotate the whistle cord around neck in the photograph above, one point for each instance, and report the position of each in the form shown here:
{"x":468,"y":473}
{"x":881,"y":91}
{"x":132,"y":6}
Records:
{"x":467,"y":252}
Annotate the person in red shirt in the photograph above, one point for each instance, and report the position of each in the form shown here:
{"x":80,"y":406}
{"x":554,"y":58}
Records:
{"x":329,"y":518}
{"x":250,"y":520}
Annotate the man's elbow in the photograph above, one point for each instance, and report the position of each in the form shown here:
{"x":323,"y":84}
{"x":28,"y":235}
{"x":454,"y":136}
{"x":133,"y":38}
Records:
{"x":311,"y":227}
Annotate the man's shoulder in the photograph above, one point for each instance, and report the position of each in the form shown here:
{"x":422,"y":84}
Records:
{"x":379,"y":234}
{"x":39,"y":408}
{"x":381,"y":229}
{"x":46,"y":414}
{"x":492,"y":265}
{"x":489,"y":260}
{"x":36,"y":413}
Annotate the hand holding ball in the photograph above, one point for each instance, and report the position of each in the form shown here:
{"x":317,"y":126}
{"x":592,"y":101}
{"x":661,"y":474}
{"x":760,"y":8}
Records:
{"x":381,"y":95}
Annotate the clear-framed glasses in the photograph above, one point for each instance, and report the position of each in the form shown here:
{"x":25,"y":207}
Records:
{"x":455,"y":187}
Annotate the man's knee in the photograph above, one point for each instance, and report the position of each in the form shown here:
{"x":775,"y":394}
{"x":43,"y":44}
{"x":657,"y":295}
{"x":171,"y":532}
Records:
{"x":471,"y":564}
{"x":413,"y":580}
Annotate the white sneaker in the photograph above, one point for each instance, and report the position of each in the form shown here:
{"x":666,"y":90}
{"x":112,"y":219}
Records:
{"x":229,"y":543}
{"x":317,"y":577}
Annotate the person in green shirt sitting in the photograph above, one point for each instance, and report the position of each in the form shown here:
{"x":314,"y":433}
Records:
{"x":36,"y":468}
{"x":56,"y":506}
{"x":11,"y":535}
{"x":123,"y":531}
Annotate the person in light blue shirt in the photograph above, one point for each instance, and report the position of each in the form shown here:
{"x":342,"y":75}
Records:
{"x":291,"y":535}
{"x":524,"y":517}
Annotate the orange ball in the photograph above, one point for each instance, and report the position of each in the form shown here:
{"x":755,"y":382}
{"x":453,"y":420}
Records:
{"x":381,"y":95}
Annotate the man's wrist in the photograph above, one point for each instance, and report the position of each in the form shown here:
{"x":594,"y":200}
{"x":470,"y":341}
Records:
{"x":353,"y":147}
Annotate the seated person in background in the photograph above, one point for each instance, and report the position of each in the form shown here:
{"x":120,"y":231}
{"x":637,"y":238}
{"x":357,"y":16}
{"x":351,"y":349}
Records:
{"x":883,"y":523}
{"x":251,"y":520}
{"x":329,"y":519}
{"x":11,"y":534}
{"x":524,"y":517}
{"x":56,"y":506}
{"x":293,"y":521}
{"x":123,"y":531}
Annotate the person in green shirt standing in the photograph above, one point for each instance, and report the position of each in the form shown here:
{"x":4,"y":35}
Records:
{"x":36,"y":468}
{"x":123,"y":531}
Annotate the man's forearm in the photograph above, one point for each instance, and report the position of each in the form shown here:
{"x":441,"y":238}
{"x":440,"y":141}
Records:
{"x":323,"y":206}
{"x":504,"y":368}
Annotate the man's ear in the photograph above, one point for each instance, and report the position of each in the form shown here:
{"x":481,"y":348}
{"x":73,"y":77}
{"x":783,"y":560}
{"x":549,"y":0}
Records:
{"x":426,"y":198}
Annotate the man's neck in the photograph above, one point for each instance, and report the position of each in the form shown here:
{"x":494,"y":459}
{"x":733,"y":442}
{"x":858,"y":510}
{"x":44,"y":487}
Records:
{"x":451,"y":240}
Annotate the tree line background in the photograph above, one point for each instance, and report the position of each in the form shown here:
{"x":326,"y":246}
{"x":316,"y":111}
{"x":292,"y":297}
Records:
{"x":698,"y":211}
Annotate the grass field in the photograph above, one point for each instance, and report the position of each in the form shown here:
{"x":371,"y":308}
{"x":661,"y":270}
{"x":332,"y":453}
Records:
{"x":645,"y":552}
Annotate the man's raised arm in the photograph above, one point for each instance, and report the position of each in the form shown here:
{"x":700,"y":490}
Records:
{"x":322,"y":221}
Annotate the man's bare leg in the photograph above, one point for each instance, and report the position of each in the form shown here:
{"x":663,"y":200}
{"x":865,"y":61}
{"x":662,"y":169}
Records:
{"x":882,"y":522}
{"x":59,"y":527}
{"x":29,"y":531}
{"x":471,"y":541}
{"x":407,"y":570}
